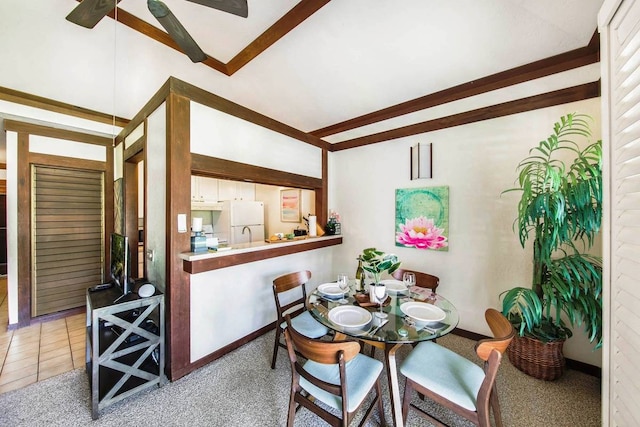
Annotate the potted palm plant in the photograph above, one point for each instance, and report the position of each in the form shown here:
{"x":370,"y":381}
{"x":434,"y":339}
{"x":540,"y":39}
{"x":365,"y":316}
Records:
{"x":377,"y":262}
{"x":560,"y":209}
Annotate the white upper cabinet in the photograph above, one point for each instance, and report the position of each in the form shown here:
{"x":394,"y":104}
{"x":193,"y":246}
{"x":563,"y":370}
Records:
{"x":236,"y":190}
{"x":204,"y":189}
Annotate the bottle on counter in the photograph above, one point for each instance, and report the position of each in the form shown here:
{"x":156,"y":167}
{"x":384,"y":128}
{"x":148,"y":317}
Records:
{"x":360,"y":276}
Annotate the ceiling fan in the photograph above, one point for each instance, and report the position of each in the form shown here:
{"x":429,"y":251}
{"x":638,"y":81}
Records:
{"x":90,"y":12}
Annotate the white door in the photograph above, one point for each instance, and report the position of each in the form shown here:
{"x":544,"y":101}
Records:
{"x":619,"y":22}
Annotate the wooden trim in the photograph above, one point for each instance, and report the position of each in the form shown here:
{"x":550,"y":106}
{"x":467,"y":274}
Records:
{"x":576,"y":365}
{"x":221,"y":104}
{"x":130,"y":172}
{"x":178,"y":87}
{"x":585,"y":368}
{"x":226,"y":169}
{"x":545,"y":67}
{"x":66,"y":162}
{"x":134,"y":150}
{"x":200,"y":266}
{"x":227,"y":349}
{"x":283,"y":26}
{"x":3,"y":165}
{"x":178,"y":202}
{"x":322,"y":196}
{"x":24,"y":98}
{"x":108,"y":212}
{"x":594,"y":43}
{"x":53,"y":316}
{"x":24,"y":160}
{"x":558,"y":97}
{"x":24,"y":230}
{"x":571,"y":364}
{"x":152,"y":105}
{"x":50,"y":132}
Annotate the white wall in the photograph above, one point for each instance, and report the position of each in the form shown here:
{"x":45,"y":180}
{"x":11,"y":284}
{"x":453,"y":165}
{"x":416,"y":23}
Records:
{"x":230,"y":303}
{"x":217,"y":134}
{"x":156,"y":218}
{"x":477,"y":162}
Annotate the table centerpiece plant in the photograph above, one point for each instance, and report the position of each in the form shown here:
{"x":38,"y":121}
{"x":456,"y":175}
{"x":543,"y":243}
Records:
{"x":560,"y":209}
{"x":377,"y":262}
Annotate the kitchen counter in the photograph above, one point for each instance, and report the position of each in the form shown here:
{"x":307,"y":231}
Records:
{"x":249,"y":252}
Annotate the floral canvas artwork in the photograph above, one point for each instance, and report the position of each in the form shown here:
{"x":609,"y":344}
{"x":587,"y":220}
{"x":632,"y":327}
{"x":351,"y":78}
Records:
{"x":422,"y":218}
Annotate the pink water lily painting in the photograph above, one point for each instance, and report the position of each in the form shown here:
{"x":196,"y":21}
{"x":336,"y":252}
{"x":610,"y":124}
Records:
{"x":422,"y":218}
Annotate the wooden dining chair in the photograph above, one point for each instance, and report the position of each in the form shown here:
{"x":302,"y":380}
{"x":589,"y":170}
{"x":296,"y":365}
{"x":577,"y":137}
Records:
{"x":456,"y":382}
{"x":423,"y":280}
{"x":334,"y":373}
{"x":293,"y":286}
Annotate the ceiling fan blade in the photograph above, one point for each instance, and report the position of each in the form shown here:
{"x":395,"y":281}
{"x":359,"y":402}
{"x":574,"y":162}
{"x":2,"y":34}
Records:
{"x":90,"y":12}
{"x":176,"y":30}
{"x":237,"y":7}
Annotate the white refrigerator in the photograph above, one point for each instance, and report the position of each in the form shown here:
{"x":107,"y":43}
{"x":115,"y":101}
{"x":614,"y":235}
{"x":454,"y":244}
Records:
{"x":241,"y":221}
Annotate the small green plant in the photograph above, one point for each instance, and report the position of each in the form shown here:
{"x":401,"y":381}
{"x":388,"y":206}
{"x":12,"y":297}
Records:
{"x":561,"y":210}
{"x":377,"y":262}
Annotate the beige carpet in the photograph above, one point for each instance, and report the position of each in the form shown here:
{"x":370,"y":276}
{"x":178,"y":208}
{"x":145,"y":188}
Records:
{"x":240,"y":389}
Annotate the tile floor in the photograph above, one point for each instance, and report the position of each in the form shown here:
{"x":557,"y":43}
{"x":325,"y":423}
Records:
{"x":40,"y":351}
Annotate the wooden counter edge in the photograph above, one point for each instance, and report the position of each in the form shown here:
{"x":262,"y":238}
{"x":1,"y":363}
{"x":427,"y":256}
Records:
{"x":208,"y":264}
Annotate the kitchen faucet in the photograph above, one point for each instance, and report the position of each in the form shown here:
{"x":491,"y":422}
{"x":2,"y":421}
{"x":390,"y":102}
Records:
{"x":246,"y":227}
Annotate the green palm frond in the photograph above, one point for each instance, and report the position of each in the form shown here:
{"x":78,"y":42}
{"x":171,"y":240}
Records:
{"x":560,"y":209}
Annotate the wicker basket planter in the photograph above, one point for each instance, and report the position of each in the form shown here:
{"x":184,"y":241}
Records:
{"x":544,"y":361}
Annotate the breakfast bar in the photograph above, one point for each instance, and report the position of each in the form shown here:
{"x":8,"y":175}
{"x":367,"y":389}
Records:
{"x":195,"y":263}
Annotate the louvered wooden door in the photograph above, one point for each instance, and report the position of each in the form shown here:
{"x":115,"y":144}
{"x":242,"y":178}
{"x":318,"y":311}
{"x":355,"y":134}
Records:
{"x":621,"y":115}
{"x":67,"y":237}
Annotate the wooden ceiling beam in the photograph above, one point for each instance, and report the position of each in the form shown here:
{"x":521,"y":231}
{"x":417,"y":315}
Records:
{"x":23,"y":98}
{"x":284,"y":25}
{"x":288,"y":22}
{"x":156,"y":34}
{"x":589,"y":54}
{"x":558,"y":97}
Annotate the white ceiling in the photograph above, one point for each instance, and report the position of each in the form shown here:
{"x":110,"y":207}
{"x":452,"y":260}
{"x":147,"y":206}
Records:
{"x":350,"y":58}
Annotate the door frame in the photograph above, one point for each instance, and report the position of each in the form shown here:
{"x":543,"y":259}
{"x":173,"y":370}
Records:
{"x":25,"y":159}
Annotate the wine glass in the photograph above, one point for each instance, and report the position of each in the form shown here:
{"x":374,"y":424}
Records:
{"x":409,"y":279}
{"x":343,"y":283}
{"x":380,"y":291}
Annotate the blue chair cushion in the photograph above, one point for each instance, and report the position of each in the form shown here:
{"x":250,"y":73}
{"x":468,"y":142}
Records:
{"x":307,"y":325}
{"x":444,"y":372}
{"x":362,"y":373}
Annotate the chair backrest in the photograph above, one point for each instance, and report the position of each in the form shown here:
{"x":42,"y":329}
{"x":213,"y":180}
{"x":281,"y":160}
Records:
{"x":490,"y":350}
{"x":287,"y":282}
{"x":423,"y":280}
{"x":327,"y":352}
{"x":503,"y":333}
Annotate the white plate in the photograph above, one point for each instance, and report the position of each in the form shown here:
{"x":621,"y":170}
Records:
{"x":393,"y":285}
{"x":422,"y":311}
{"x":330,"y":289}
{"x":146,"y":290}
{"x":349,"y":316}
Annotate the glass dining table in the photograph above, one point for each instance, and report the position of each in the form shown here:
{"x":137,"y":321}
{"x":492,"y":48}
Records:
{"x":409,"y":319}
